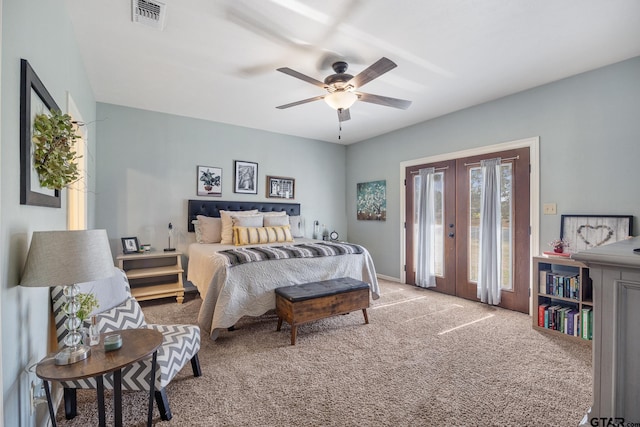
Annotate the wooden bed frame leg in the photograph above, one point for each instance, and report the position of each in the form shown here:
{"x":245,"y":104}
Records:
{"x":279,"y":324}
{"x":294,"y":330}
{"x":366,"y":317}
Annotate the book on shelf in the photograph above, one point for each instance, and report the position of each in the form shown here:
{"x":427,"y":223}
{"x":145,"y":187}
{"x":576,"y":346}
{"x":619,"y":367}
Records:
{"x":541,"y":314}
{"x":552,"y":254}
{"x":564,"y":285}
{"x":566,"y":319}
{"x":587,"y":322}
{"x":542,"y":285}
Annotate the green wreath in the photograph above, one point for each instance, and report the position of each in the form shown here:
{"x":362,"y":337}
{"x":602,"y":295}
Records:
{"x":53,"y":156}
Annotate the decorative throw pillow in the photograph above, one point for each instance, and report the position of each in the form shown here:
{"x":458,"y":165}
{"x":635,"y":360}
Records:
{"x":274,"y":213}
{"x":197,"y":229}
{"x":252,"y":235}
{"x":210,"y":229}
{"x":271,"y":221}
{"x":296,"y":226}
{"x":248,"y":221}
{"x":227,"y":225}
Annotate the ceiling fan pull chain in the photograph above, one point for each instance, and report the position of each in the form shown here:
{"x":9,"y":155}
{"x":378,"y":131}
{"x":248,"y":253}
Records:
{"x":339,"y":129}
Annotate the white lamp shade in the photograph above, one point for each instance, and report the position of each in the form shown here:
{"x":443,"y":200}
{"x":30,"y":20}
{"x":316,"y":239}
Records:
{"x":341,"y":99}
{"x":62,"y":258}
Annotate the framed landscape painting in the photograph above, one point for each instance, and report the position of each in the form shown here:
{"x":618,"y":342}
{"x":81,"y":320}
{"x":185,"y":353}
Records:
{"x":589,"y":231}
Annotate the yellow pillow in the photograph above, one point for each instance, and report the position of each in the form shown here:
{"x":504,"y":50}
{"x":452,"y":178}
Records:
{"x":252,"y":235}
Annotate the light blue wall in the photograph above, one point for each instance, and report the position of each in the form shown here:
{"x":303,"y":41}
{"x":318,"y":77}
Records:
{"x":41,"y":32}
{"x":147,"y":172}
{"x":589,"y":129}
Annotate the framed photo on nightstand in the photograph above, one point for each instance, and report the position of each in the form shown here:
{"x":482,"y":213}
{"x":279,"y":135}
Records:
{"x":130,"y":245}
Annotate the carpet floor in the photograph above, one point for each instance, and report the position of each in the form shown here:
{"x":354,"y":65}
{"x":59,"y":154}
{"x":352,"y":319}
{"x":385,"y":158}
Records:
{"x":425,"y":359}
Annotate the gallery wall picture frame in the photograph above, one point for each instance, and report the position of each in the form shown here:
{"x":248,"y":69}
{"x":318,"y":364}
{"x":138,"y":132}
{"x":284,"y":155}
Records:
{"x":34,"y":100}
{"x":246,"y":177}
{"x":280,"y":187}
{"x":209,"y":181}
{"x":583,"y":232}
{"x":130,"y":245}
{"x":372,"y":201}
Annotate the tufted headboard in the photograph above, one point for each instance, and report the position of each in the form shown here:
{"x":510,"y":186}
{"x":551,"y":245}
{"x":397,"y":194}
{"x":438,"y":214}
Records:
{"x":213,"y":207}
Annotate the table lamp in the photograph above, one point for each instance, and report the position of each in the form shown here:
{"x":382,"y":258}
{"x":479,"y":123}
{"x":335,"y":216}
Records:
{"x":65,"y":258}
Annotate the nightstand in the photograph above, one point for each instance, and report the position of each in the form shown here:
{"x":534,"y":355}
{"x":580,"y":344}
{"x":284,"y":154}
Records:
{"x":154,"y":274}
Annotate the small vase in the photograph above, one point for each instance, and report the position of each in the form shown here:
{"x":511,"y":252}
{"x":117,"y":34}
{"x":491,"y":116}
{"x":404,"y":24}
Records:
{"x":558,"y":249}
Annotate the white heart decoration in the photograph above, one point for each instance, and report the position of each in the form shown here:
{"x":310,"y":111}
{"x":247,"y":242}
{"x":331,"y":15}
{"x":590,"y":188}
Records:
{"x":595,"y":235}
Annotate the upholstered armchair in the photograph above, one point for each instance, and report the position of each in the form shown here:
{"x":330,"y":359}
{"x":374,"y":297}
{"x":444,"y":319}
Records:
{"x":119,"y":310}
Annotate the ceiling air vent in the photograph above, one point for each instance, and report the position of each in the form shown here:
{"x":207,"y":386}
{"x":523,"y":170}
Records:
{"x":151,"y":13}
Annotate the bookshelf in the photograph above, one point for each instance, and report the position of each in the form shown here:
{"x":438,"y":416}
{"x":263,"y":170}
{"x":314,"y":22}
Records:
{"x":562,"y":297}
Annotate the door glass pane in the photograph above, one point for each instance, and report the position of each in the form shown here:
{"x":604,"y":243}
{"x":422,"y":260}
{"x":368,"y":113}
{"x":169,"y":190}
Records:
{"x":439,"y":228}
{"x":506,"y":198}
{"x":475,"y":192}
{"x":506,"y":193}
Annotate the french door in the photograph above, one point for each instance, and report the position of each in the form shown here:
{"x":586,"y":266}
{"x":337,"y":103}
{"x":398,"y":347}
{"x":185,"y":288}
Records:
{"x":457,"y":189}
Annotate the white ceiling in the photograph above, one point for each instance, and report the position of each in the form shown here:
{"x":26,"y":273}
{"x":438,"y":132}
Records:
{"x":217,"y":59}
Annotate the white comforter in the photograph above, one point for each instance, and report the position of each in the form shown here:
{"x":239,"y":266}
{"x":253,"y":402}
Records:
{"x":229,"y":293}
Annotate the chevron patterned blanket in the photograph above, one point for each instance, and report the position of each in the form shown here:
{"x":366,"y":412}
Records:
{"x":240,"y":256}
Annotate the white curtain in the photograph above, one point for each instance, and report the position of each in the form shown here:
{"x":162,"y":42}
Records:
{"x":425,"y":276}
{"x":489,"y":258}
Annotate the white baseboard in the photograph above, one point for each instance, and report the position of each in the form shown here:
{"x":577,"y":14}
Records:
{"x":389,"y":278}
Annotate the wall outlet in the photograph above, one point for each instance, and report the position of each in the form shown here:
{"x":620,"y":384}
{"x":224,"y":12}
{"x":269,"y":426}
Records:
{"x":549,"y":208}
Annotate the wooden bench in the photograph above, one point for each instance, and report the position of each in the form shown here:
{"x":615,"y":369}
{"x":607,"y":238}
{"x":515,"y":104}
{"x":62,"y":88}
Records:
{"x":307,"y":302}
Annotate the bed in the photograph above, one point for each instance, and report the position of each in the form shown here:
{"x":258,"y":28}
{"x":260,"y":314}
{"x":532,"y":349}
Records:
{"x":230,"y":292}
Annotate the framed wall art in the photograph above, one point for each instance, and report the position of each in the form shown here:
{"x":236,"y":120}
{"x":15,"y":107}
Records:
{"x":372,"y":201}
{"x":246,"y":177}
{"x":34,"y":100}
{"x":588,"y":231}
{"x":209,"y":181}
{"x":280,"y":187}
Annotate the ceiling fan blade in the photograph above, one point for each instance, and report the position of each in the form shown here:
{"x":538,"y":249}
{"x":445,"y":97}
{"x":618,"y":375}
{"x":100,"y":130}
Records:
{"x":383,"y":100}
{"x":344,"y":114}
{"x":374,"y":71}
{"x":298,"y":75}
{"x":259,"y":24}
{"x":304,"y":101}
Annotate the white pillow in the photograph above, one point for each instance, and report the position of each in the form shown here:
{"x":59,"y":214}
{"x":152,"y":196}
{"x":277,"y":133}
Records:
{"x":196,"y":228}
{"x":227,"y":224}
{"x":247,"y":221}
{"x":279,"y":213}
{"x":210,"y":229}
{"x":296,"y":226}
{"x":274,"y":221}
{"x":110,"y":292}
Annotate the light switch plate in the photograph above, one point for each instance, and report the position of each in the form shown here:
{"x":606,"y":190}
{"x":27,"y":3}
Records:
{"x":549,"y":208}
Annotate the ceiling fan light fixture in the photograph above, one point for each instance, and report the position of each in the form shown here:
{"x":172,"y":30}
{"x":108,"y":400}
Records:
{"x":341,"y":99}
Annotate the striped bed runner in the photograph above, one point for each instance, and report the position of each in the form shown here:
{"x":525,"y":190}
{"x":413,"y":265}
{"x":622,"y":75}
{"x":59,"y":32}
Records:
{"x":240,"y":256}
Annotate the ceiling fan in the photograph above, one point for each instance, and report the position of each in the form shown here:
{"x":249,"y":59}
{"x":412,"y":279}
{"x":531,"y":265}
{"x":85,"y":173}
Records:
{"x":341,"y":87}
